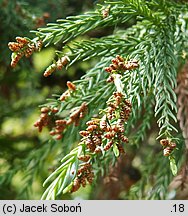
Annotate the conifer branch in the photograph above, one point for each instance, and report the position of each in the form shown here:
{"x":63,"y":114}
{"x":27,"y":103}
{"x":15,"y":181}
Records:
{"x":67,"y":29}
{"x":73,"y":26}
{"x":165,"y":81}
{"x":103,"y":134}
{"x":157,"y":43}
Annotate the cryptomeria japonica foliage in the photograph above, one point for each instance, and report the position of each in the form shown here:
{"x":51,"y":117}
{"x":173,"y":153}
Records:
{"x":138,"y":82}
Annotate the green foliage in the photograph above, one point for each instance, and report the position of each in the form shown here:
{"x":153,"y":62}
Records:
{"x":152,"y":33}
{"x":21,"y":146}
